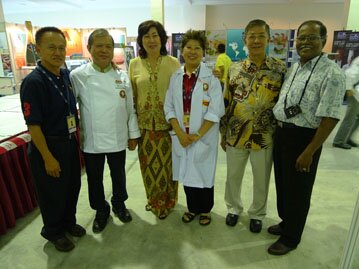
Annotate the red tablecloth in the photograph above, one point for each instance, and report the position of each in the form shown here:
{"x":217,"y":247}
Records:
{"x":17,"y":192}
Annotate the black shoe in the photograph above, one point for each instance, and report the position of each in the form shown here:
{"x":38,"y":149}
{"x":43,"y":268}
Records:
{"x":275,"y":229}
{"x":255,"y":226}
{"x":123,"y":214}
{"x":342,"y":145}
{"x":352,"y":143}
{"x":77,"y":231}
{"x":63,"y":244}
{"x":279,"y":248}
{"x":99,"y":224}
{"x":231,"y":219}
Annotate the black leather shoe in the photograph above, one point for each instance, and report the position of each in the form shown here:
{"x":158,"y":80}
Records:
{"x":275,"y":229}
{"x":231,"y":219}
{"x":77,"y":231}
{"x":342,"y":146}
{"x":279,"y":248}
{"x":99,"y":224}
{"x":352,"y":143}
{"x":123,"y":214}
{"x":63,"y":244}
{"x":255,"y":226}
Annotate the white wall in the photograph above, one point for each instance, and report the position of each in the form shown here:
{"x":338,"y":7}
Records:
{"x":178,"y":19}
{"x":129,"y":18}
{"x":353,"y":18}
{"x":186,"y":16}
{"x":278,"y":16}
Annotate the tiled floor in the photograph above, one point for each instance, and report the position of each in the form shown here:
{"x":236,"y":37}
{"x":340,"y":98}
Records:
{"x":147,"y":242}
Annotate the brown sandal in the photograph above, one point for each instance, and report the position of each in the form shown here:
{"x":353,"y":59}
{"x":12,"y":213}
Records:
{"x":205,"y":219}
{"x":163,"y":214}
{"x":188,"y":217}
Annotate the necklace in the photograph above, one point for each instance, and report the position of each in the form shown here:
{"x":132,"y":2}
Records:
{"x":153,"y":72}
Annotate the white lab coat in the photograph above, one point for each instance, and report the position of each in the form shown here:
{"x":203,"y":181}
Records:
{"x":195,"y":165}
{"x":107,"y":114}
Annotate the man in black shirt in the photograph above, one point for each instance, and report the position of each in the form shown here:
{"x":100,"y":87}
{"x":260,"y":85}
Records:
{"x":49,"y":109}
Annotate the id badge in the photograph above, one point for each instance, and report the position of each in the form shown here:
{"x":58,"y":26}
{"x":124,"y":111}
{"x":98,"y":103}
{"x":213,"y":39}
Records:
{"x":186,"y":118}
{"x":71,"y":124}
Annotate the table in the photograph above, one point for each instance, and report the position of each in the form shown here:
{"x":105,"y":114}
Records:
{"x":17,"y":192}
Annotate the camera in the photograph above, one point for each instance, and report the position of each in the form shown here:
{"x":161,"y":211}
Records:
{"x":292,"y":111}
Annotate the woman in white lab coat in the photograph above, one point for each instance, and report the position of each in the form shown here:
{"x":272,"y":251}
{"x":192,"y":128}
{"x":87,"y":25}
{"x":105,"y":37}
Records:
{"x":194,"y":106}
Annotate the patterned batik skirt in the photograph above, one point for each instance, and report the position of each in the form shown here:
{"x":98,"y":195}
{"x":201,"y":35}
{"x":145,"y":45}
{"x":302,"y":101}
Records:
{"x":154,"y":152}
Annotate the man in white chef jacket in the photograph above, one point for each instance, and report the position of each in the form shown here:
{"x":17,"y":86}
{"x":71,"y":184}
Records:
{"x":108,"y":126}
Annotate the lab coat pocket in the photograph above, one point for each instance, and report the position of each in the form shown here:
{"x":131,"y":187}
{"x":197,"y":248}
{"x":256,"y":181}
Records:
{"x":202,"y":152}
{"x":177,"y":147}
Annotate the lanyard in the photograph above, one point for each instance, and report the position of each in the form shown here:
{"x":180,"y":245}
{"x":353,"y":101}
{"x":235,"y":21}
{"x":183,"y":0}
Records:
{"x":186,"y":100}
{"x":305,"y":86}
{"x":67,"y":98}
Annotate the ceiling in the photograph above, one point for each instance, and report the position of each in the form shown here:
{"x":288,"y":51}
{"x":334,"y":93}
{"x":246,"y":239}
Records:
{"x":26,"y":6}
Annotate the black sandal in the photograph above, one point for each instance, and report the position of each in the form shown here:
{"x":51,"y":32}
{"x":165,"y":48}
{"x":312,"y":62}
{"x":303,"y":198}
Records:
{"x":188,"y":217}
{"x":205,"y":219}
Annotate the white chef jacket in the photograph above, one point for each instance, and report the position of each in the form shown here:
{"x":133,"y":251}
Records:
{"x":107,"y":115}
{"x":195,"y":165}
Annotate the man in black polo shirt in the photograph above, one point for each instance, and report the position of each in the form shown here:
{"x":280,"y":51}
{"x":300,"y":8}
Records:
{"x":49,"y":109}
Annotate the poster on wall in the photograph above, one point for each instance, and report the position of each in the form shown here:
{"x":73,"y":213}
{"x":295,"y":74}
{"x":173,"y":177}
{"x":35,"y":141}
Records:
{"x":214,"y":38}
{"x":278,"y":44}
{"x":130,"y":54}
{"x":235,"y":46}
{"x":18,"y":42}
{"x":73,"y":42}
{"x":119,"y":57}
{"x":351,"y":49}
{"x":31,"y":55}
{"x":339,"y":41}
{"x":176,"y":46}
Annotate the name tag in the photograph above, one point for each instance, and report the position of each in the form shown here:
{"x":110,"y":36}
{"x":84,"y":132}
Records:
{"x":71,"y":124}
{"x":186,"y":118}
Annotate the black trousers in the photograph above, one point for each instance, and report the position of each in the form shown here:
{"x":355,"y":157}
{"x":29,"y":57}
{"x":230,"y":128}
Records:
{"x":294,"y":188}
{"x":199,"y":200}
{"x":57,"y":196}
{"x":94,"y":168}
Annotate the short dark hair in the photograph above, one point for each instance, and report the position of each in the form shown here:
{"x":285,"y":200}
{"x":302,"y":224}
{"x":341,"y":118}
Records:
{"x":98,"y":32}
{"x":221,"y":48}
{"x":44,"y":30}
{"x":254,"y":23}
{"x":194,"y":35}
{"x":143,"y":29}
{"x":322,"y":29}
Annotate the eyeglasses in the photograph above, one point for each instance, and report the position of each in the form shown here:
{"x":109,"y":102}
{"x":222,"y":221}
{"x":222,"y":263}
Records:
{"x":310,"y":38}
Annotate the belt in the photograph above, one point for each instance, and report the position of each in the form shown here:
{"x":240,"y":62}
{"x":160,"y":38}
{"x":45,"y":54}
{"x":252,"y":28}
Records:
{"x":286,"y":125}
{"x":60,"y":137}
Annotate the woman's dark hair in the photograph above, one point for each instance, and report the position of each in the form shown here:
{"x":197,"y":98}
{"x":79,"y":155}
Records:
{"x":143,"y":29}
{"x":43,"y":30}
{"x":194,"y":35}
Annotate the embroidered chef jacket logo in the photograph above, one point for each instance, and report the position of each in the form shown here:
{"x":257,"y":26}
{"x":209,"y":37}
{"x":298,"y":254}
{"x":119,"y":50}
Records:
{"x":123,"y":93}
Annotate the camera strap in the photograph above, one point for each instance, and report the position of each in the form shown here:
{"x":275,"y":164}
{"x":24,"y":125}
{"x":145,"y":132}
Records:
{"x":306,"y":83}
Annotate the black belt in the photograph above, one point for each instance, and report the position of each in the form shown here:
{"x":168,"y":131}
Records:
{"x":60,"y":137}
{"x":286,"y":125}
